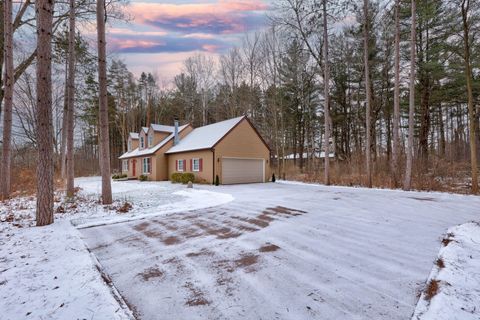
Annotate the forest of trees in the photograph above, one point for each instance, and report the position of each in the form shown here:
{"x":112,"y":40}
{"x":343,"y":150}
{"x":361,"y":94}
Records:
{"x":390,"y":87}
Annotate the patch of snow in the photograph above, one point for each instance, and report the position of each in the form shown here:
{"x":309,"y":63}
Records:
{"x":48,"y":273}
{"x":205,"y":137}
{"x":458,"y":296}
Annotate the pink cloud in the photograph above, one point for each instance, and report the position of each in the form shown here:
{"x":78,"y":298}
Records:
{"x":225,"y":16}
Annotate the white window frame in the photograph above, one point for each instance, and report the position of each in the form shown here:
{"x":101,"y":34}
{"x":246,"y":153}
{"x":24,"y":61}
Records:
{"x":129,"y":144}
{"x":197,"y":169}
{"x":125,"y":165}
{"x":146,"y":161}
{"x":142,"y":142}
{"x":182,"y":165}
{"x":150,"y":140}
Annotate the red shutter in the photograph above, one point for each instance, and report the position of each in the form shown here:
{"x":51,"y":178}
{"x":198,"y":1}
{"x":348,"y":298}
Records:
{"x":191,"y":164}
{"x":176,"y":165}
{"x":200,"y":164}
{"x":184,"y":165}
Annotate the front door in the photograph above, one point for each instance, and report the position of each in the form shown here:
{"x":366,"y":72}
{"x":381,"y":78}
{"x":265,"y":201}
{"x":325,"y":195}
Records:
{"x":134,"y":167}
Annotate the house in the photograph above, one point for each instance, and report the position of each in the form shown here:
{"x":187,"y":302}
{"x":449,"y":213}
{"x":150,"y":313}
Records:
{"x":232,"y":149}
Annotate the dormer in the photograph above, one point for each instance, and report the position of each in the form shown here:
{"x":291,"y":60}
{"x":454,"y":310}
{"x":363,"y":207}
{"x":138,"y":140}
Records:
{"x":142,"y":137}
{"x":156,"y":133}
{"x":132,"y":142}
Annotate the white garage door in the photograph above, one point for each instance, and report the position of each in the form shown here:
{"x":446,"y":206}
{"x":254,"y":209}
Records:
{"x":239,"y":170}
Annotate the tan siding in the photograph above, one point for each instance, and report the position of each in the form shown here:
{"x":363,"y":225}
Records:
{"x":207,"y":169}
{"x":159,"y":162}
{"x":242,"y":142}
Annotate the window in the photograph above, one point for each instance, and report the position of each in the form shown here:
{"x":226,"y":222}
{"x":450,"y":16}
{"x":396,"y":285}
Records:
{"x":180,"y":165}
{"x":142,"y":143}
{"x":125,"y":165}
{"x":146,"y":165}
{"x":196,"y":164}
{"x":150,"y":140}
{"x":129,"y":145}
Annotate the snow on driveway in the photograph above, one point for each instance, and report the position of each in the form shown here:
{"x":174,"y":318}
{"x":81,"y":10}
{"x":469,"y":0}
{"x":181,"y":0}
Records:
{"x":48,"y":273}
{"x":282,"y":251}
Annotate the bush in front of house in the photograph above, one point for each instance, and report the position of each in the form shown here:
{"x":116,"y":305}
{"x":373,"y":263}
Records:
{"x":119,"y":176}
{"x":179,"y":177}
{"x":143,"y":177}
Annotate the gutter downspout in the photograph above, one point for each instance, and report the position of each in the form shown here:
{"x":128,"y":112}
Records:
{"x":213,"y":178}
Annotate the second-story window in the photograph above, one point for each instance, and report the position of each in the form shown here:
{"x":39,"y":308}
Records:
{"x":129,"y":145}
{"x":142,"y":142}
{"x":150,"y":140}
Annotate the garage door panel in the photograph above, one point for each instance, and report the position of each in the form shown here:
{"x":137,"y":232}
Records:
{"x":237,"y":170}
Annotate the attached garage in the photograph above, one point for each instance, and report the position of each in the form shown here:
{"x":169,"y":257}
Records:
{"x":242,"y":170}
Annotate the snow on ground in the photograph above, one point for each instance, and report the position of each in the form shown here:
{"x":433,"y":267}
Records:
{"x":148,"y":199}
{"x":456,"y":274}
{"x":48,"y":273}
{"x":283,"y":251}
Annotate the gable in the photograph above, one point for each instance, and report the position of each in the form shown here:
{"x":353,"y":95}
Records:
{"x":242,"y":140}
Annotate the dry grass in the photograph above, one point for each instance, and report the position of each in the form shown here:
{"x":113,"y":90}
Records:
{"x":432,"y":289}
{"x":440,"y":264}
{"x":438,"y":175}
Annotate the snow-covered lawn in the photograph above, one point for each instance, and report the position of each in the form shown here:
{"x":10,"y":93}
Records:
{"x":48,"y":273}
{"x":454,"y":283}
{"x":283,"y":251}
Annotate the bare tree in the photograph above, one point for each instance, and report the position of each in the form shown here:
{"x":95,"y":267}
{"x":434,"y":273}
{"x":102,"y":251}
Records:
{"x":103,"y":105}
{"x":44,"y":13}
{"x":7,"y":117}
{"x":468,"y":74}
{"x":202,"y":69}
{"x":396,"y":99}
{"x":326,"y":79}
{"x":368,"y":95}
{"x":70,"y":101}
{"x":407,"y":185}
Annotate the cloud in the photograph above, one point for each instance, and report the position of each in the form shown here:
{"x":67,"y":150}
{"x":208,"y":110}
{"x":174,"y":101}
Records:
{"x":222,"y":17}
{"x":124,"y":43}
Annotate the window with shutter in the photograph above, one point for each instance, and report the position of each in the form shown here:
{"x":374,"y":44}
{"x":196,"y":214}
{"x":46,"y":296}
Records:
{"x":196,"y":164}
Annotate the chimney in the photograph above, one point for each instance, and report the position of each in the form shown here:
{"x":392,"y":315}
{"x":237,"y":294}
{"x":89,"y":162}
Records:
{"x":176,"y":139}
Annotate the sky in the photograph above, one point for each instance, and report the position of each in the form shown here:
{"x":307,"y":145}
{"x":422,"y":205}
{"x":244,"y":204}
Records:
{"x":162,"y":34}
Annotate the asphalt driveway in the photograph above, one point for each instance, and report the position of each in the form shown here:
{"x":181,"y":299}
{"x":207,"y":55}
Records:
{"x":282,"y":251}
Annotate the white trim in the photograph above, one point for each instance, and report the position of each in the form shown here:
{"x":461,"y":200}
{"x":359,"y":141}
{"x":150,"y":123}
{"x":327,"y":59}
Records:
{"x":178,"y":165}
{"x":149,"y":165}
{"x":125,"y":164}
{"x":150,"y":137}
{"x":243,"y":158}
{"x":193,"y":164}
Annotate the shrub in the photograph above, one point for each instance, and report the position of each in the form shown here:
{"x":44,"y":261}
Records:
{"x":115,"y":176}
{"x":143,"y":177}
{"x":217,"y":180}
{"x":187,"y":177}
{"x":176,"y":177}
{"x":179,"y":177}
{"x":273,"y":177}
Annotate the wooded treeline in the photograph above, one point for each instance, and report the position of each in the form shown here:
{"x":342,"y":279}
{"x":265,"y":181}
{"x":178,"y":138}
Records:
{"x":364,"y":113}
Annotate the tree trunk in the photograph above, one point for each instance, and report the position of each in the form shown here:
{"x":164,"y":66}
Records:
{"x":368,"y":95}
{"x":103,"y":105}
{"x":396,"y":100}
{"x":326,"y":80}
{"x":71,"y":102}
{"x":63,"y":143}
{"x":471,"y":111}
{"x":44,"y":12}
{"x":408,"y":172}
{"x":5,"y":169}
